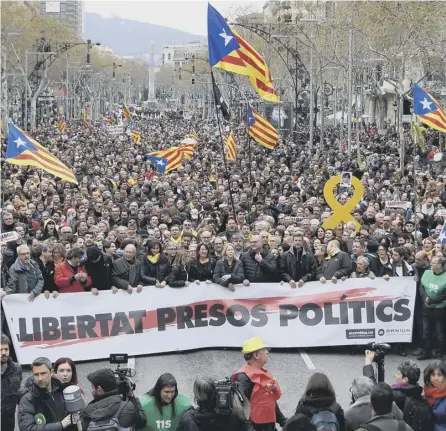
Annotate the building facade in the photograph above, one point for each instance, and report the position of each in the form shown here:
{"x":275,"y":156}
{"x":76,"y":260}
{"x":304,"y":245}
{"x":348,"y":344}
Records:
{"x":69,"y":13}
{"x":176,"y":55}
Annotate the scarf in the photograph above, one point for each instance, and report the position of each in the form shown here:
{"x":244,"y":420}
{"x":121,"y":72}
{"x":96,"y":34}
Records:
{"x":130,"y":266}
{"x":432,"y":394}
{"x":154,"y":259}
{"x":400,"y":385}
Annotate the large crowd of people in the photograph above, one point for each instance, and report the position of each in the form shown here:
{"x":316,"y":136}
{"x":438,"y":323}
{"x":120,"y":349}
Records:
{"x":126,"y":226}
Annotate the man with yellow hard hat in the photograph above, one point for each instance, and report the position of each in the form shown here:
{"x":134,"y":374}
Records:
{"x":259,"y":386}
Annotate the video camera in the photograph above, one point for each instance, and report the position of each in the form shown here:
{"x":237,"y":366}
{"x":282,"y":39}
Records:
{"x":380,"y":350}
{"x":123,"y":375}
{"x":227,"y":393}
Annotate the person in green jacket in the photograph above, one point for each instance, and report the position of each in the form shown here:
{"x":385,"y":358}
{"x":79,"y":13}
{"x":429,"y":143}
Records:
{"x":163,"y":405}
{"x":433,"y":296}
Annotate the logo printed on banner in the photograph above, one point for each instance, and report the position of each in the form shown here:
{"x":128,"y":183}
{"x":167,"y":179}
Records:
{"x":355,"y":334}
{"x":381,"y":332}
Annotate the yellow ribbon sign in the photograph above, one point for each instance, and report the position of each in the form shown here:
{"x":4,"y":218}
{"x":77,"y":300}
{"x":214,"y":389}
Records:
{"x":342,"y":213}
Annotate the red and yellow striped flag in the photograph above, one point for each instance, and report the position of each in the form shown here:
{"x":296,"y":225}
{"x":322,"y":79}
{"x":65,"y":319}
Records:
{"x":62,"y":124}
{"x":257,"y":70}
{"x":175,"y":155}
{"x":136,"y":137}
{"x":126,"y":112}
{"x":261,"y":130}
{"x":231,"y":151}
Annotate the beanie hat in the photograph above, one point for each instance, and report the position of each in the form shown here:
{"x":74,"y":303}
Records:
{"x":93,"y":253}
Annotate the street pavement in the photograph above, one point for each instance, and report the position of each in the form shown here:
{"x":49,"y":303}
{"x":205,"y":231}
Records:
{"x":291,"y":367}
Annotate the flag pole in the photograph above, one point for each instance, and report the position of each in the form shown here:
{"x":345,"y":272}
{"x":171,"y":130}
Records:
{"x":223,"y":146}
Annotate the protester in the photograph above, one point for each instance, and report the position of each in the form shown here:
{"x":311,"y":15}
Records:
{"x":126,"y":272}
{"x":163,"y":404}
{"x":25,"y":275}
{"x":435,"y":392}
{"x":99,"y":267}
{"x":228,"y":270}
{"x":70,"y":276}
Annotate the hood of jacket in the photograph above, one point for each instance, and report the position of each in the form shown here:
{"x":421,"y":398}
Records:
{"x":365,"y":400}
{"x":319,"y":403}
{"x":206,"y":420}
{"x":103,"y":407}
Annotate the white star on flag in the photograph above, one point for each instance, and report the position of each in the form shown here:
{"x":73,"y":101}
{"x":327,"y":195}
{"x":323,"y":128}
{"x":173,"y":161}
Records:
{"x":160,"y":163}
{"x":226,"y":37}
{"x":426,"y":104}
{"x":19,"y":142}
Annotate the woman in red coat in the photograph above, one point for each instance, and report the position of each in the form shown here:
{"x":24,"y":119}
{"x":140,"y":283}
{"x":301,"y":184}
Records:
{"x":69,"y":276}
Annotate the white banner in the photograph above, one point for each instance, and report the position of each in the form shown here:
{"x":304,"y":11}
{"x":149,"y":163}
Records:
{"x":114,"y":130}
{"x":85,"y":327}
{"x":398,"y":204}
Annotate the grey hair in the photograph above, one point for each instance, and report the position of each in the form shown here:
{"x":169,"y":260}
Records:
{"x":41,"y":248}
{"x":366,"y":261}
{"x":22,"y":247}
{"x":42,"y":361}
{"x":361,"y":386}
{"x":75,"y":252}
{"x":204,"y":392}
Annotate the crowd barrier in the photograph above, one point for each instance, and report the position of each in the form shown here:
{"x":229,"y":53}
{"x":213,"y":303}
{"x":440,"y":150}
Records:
{"x":86,"y":327}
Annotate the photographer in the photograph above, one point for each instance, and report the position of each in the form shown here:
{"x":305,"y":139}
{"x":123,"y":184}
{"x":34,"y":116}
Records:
{"x":206,"y":418}
{"x":107,"y":403}
{"x":407,"y":393}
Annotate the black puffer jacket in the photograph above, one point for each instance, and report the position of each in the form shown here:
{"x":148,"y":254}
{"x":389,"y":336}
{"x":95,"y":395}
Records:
{"x":178,"y":276}
{"x":107,"y":405}
{"x":151,"y":272}
{"x":311,"y":406}
{"x":35,"y":400}
{"x":291,"y":270}
{"x":201,"y":419}
{"x":47,"y":271}
{"x":202,"y":271}
{"x":223,"y":268}
{"x":11,"y":379}
{"x":263,"y":272}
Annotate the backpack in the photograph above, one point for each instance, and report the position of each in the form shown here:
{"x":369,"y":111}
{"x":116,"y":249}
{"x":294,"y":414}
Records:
{"x":418,"y":414}
{"x":325,"y":421}
{"x":108,"y":424}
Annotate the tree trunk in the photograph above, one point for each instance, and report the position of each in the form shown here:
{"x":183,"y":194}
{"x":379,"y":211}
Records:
{"x":33,"y":112}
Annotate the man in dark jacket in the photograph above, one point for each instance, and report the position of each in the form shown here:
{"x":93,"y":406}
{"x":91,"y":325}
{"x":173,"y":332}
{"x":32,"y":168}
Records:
{"x":259,"y":264}
{"x":107,"y":402}
{"x":126,"y":272}
{"x":99,"y":267}
{"x":42,"y":406}
{"x":381,"y":400}
{"x":336,"y":265}
{"x":46,"y":266}
{"x":11,"y":378}
{"x":298,"y":266}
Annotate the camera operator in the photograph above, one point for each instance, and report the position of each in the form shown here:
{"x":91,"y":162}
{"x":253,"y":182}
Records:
{"x":206,"y":418}
{"x":407,"y":393}
{"x":107,"y":403}
{"x":265,"y":412}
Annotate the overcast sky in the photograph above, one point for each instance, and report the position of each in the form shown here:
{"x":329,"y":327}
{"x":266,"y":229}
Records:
{"x":183,"y":15}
